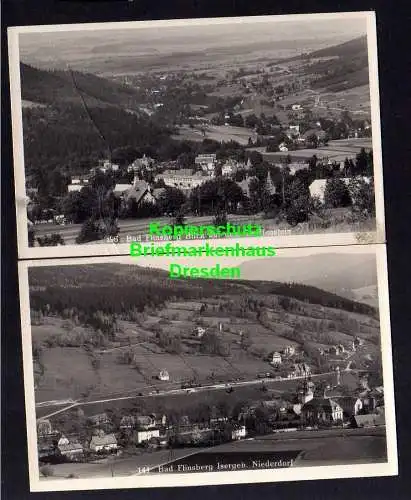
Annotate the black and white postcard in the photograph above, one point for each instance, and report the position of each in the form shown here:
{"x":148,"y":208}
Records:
{"x":135,"y":379}
{"x":272,"y":121}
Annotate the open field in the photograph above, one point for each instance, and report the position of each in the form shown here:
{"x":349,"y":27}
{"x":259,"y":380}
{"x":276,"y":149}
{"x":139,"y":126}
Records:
{"x":246,"y":391}
{"x":336,"y":150}
{"x":219,"y":133}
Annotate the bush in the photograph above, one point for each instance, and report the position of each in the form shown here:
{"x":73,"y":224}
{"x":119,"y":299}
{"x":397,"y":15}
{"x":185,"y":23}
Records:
{"x":46,"y":471}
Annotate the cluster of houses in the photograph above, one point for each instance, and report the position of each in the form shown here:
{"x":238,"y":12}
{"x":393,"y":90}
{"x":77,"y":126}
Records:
{"x":187,"y":179}
{"x":362,"y":408}
{"x":308,"y":408}
{"x":150,"y":431}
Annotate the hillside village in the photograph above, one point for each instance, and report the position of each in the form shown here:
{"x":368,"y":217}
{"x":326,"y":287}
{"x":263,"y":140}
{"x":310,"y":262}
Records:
{"x":287,"y":143}
{"x":236,"y":363}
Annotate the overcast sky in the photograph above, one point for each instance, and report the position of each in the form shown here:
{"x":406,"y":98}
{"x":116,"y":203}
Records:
{"x":165,"y":40}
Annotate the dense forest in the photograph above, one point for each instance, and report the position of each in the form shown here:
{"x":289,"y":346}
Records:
{"x":66,"y":135}
{"x":51,"y":87}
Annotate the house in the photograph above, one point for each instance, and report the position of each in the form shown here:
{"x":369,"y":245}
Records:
{"x":358,"y":342}
{"x":289,"y":350}
{"x":107,"y":165}
{"x":145,"y":421}
{"x":62,"y":440}
{"x":282,"y":147}
{"x":146,"y":435}
{"x":370,"y":420}
{"x":104,"y":442}
{"x":230,"y":167}
{"x":200,"y":331}
{"x":99,"y":419}
{"x":238,"y":432}
{"x":207,"y":162}
{"x":137,"y":192}
{"x":44,"y":428}
{"x":164,"y":376}
{"x":321,"y":410}
{"x":70,"y":450}
{"x":336,"y":350}
{"x":300,"y":370}
{"x":127,"y":422}
{"x":350,"y":405}
{"x":77,"y":185}
{"x":276,"y":358}
{"x":293,"y":131}
{"x":306,"y":392}
{"x":183,"y":178}
{"x":158,"y":193}
{"x":296,"y":107}
{"x":141,"y":163}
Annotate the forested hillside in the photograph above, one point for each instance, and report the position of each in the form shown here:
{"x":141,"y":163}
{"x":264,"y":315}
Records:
{"x":51,"y":87}
{"x":85,"y":118}
{"x":346,"y":68}
{"x":117,"y":288}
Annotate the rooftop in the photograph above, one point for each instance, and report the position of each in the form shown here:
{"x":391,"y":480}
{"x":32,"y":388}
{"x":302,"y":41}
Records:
{"x":103,"y":440}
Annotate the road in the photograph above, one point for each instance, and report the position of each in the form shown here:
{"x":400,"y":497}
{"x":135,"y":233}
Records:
{"x":135,"y":227}
{"x":177,"y":391}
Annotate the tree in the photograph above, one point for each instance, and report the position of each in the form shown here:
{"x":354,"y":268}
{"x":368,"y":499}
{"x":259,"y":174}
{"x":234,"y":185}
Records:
{"x":336,"y":193}
{"x":78,"y":206}
{"x":312,"y":141}
{"x":212,"y":344}
{"x":297,"y":202}
{"x":50,"y":241}
{"x":171,"y":200}
{"x":363,"y":196}
{"x":90,"y":231}
{"x":31,"y":235}
{"x":220,"y":218}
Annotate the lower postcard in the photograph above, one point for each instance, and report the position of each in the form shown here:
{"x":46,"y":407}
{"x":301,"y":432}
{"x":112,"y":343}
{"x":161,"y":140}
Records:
{"x":136,"y":378}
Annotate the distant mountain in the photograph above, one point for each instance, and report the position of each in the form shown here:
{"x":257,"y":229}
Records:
{"x":57,"y":87}
{"x":347,"y":67}
{"x":336,"y":273}
{"x":352,"y":48}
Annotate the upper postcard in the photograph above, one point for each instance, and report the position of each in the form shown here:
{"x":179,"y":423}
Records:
{"x":121,"y":129}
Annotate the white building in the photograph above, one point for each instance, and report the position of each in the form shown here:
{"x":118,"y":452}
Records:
{"x":276,"y":359}
{"x":145,"y":162}
{"x":322,"y":410}
{"x":317,"y":187}
{"x":207,"y":162}
{"x":238,"y":432}
{"x":296,"y":107}
{"x":200,"y":331}
{"x":105,"y":442}
{"x":229,"y":168}
{"x":183,"y":179}
{"x":77,"y":184}
{"x":146,"y":435}
{"x":138,"y":191}
{"x":108,"y":165}
{"x":164,"y":376}
{"x":282,"y":147}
